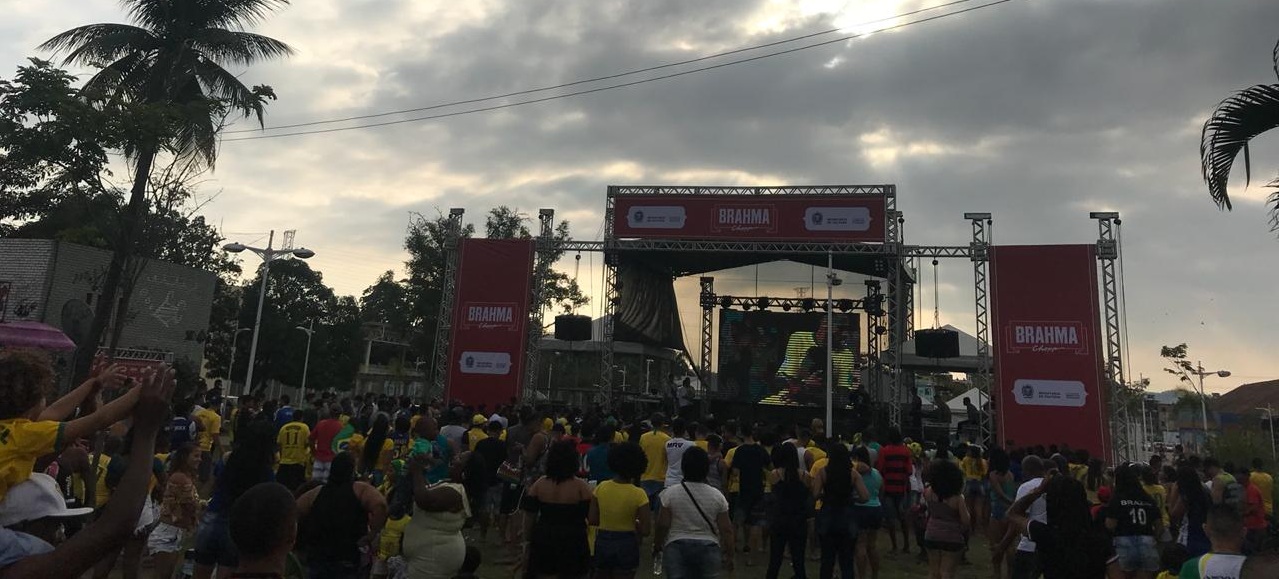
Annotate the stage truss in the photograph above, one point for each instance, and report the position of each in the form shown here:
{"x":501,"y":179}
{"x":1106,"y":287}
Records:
{"x":888,"y":326}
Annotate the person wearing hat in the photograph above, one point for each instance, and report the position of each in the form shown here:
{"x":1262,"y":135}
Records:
{"x":476,"y":433}
{"x":35,"y":510}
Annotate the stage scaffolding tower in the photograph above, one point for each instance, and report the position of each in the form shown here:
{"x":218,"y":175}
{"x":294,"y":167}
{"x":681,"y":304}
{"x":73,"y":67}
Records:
{"x":980,"y":256}
{"x":1107,"y":253}
{"x":545,"y":258}
{"x":444,"y":321}
{"x":707,"y":301}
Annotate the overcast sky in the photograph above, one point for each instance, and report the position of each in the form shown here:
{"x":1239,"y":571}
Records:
{"x":1036,"y":110}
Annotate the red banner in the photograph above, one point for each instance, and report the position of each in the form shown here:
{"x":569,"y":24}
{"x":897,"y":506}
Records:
{"x":853,"y":218}
{"x":490,"y":320}
{"x":1048,"y":359}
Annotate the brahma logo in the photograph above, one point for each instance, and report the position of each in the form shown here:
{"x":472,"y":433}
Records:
{"x":744,"y":218}
{"x":1047,"y":337}
{"x":489,"y":316}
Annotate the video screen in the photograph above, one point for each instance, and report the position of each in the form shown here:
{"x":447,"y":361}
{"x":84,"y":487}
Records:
{"x":780,"y":357}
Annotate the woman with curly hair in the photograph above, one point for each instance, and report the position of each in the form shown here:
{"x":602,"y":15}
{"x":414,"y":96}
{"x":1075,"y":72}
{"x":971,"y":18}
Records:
{"x":178,"y":509}
{"x":620,"y":510}
{"x":556,"y":506}
{"x":948,"y":518}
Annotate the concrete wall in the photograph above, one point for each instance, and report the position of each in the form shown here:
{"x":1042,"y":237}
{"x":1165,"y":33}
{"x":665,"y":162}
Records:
{"x":25,"y":264}
{"x":170,"y":303}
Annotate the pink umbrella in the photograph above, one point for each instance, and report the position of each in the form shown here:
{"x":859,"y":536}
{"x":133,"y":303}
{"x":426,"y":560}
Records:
{"x":34,"y":335}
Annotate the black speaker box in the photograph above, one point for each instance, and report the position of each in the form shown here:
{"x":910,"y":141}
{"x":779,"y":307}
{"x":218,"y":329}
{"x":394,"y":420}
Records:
{"x":938,"y":343}
{"x":572,"y":328}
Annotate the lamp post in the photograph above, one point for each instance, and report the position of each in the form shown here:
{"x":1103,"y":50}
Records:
{"x":648,"y":369}
{"x":230,"y":367}
{"x":268,"y":254}
{"x":1203,"y":404}
{"x":1270,"y":417}
{"x":306,"y":361}
{"x":831,"y":282}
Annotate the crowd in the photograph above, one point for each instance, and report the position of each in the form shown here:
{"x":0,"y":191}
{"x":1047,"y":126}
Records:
{"x":376,"y":486}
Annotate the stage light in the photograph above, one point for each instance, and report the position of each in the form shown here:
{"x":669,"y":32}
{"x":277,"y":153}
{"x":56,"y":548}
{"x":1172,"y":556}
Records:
{"x":880,"y":330}
{"x":845,"y":305}
{"x":762,"y":303}
{"x":725,"y":302}
{"x":786,"y":307}
{"x":809,"y":304}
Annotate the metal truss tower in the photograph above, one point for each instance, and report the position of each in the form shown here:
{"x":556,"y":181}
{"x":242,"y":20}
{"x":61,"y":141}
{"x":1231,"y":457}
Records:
{"x":444,"y":321}
{"x":1107,"y":254}
{"x":707,"y":301}
{"x":545,"y":258}
{"x":980,"y":256}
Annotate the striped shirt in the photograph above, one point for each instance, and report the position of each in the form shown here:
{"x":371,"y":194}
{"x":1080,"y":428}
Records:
{"x":895,"y":465}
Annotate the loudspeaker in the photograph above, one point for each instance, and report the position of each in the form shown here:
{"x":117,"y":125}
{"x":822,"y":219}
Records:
{"x":572,"y":328}
{"x":939,"y":343}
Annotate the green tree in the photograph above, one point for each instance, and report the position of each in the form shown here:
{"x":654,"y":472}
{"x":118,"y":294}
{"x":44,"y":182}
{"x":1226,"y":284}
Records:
{"x":560,"y":291}
{"x":426,"y":269}
{"x":386,"y":302}
{"x":170,"y":63}
{"x":1236,"y":120}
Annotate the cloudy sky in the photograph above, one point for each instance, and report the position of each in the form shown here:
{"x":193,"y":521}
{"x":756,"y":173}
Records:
{"x":1036,"y":110}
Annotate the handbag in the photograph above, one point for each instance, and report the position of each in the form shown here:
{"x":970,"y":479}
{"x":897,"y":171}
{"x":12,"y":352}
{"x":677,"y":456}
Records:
{"x":510,"y":473}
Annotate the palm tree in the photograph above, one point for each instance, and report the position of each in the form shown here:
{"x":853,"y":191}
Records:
{"x":172,"y":63}
{"x":1234,"y":123}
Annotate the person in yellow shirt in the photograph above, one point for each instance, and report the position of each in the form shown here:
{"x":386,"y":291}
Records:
{"x":975,"y":472}
{"x":621,"y":511}
{"x":390,"y":538}
{"x":1266,"y":484}
{"x":295,"y":450}
{"x":207,"y":438}
{"x":654,"y":446}
{"x":31,"y":428}
{"x":477,"y":431}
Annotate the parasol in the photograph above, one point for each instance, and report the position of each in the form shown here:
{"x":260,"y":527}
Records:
{"x":33,"y":335}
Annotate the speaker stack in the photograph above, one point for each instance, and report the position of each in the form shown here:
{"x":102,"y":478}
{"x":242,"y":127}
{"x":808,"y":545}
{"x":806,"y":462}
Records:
{"x":572,"y":328}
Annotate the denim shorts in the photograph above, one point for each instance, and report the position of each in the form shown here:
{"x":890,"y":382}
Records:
{"x":653,"y":488}
{"x":1137,"y":553}
{"x":213,"y":544}
{"x":616,"y":551}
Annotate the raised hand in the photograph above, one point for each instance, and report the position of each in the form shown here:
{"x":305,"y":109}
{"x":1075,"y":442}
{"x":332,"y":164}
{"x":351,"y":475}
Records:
{"x":152,"y":410}
{"x":111,"y":378}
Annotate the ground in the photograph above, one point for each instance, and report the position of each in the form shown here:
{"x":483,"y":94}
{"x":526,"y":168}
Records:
{"x":893,"y":566}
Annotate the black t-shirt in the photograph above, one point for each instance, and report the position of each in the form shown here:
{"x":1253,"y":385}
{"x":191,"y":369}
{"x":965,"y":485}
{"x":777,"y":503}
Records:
{"x":494,"y":452}
{"x":1136,"y":515}
{"x":1078,"y":557}
{"x":750,"y":460}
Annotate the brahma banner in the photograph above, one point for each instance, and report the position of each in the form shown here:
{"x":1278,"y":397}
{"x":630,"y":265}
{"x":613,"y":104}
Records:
{"x":490,"y":320}
{"x":1048,"y":359}
{"x":853,"y":218}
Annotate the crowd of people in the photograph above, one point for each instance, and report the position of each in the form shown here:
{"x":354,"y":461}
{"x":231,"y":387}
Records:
{"x":378,"y":486}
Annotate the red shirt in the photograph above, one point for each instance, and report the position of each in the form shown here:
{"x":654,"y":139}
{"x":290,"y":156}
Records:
{"x":1254,"y":516}
{"x":323,"y":438}
{"x":894,"y":463}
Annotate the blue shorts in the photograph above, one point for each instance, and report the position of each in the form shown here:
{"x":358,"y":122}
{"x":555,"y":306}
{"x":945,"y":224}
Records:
{"x":213,"y":544}
{"x":653,"y":488}
{"x":998,"y":510}
{"x":1137,"y":553}
{"x":616,"y":551}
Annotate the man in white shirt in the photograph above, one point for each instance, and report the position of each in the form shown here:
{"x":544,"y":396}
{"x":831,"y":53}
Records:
{"x":1025,"y":564}
{"x":675,"y":448}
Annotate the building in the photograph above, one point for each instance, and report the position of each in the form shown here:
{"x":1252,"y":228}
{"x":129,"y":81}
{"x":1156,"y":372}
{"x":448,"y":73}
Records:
{"x":386,"y":368}
{"x":59,"y":283}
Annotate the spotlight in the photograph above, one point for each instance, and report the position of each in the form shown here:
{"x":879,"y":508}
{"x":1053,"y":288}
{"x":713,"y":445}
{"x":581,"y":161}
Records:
{"x":762,"y":303}
{"x":786,"y":307}
{"x":845,"y":305}
{"x":808,"y":304}
{"x":726,"y":302}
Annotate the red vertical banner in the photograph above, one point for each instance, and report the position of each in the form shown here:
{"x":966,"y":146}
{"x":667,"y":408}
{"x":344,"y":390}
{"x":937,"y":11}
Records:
{"x":490,"y":320}
{"x":1048,"y":360}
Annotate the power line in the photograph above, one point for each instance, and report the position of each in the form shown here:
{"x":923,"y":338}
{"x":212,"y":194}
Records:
{"x":591,"y":80}
{"x":621,"y":85}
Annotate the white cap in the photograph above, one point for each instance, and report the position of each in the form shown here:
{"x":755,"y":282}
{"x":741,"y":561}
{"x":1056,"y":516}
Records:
{"x":35,"y":498}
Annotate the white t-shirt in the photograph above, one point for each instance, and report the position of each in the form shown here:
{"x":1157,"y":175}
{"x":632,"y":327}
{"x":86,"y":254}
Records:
{"x":1038,"y":511}
{"x":454,"y":432}
{"x":1220,"y":566}
{"x":675,"y":448}
{"x":681,"y":394}
{"x":15,"y":546}
{"x":686,"y":522}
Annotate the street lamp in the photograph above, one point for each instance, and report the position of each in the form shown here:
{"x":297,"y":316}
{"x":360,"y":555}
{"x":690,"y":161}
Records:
{"x":1270,"y":417}
{"x":268,"y":254}
{"x":230,"y":369}
{"x":306,"y":362}
{"x":1203,"y":404}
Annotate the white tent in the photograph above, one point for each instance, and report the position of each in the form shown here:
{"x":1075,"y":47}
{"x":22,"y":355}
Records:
{"x":956,"y":405}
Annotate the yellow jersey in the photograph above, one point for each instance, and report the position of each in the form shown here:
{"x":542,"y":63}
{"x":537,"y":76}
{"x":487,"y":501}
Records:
{"x":1266,"y":484}
{"x":101,"y":493}
{"x":618,"y":503}
{"x":654,"y":446}
{"x":210,"y":428}
{"x":295,"y":444}
{"x":734,"y":484}
{"x":974,"y":468}
{"x":384,"y":457}
{"x":21,"y":443}
{"x":474,"y":436}
{"x":1160,"y":495}
{"x":388,"y":544}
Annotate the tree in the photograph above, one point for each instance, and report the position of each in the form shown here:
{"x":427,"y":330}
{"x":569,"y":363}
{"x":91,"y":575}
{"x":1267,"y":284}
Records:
{"x":1235,"y":121}
{"x":426,"y":269}
{"x":297,"y":296}
{"x":386,"y":302}
{"x":170,"y":64}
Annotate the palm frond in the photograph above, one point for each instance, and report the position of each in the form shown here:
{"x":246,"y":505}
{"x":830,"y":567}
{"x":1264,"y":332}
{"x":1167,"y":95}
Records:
{"x":221,"y":84}
{"x":1234,"y":122}
{"x":94,"y":44}
{"x":1275,"y":57}
{"x":236,"y":14}
{"x":1273,"y":202}
{"x":239,"y":48}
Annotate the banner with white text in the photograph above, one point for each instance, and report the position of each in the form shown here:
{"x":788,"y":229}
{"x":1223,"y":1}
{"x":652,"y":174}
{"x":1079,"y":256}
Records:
{"x":1045,"y":318}
{"x":843,"y":218}
{"x":490,"y":320}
